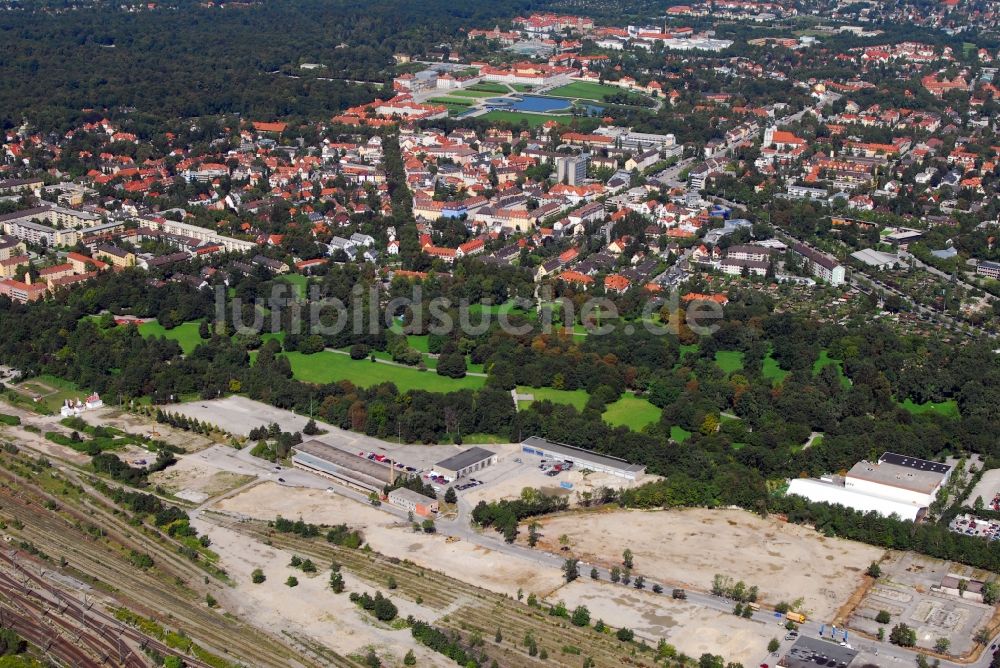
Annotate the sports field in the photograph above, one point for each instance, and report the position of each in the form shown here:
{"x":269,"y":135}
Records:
{"x":584,"y":90}
{"x":186,"y":333}
{"x":327,"y":367}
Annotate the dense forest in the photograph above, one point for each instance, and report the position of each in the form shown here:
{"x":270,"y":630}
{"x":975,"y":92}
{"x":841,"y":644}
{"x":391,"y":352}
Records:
{"x":191,"y":60}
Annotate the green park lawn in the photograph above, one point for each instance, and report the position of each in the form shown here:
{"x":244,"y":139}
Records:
{"x":488,"y":87}
{"x":452,"y":101}
{"x":632,"y":412}
{"x":825,"y":360}
{"x":473,"y":92}
{"x":679,"y":434}
{"x":772,"y":371}
{"x":947,"y":408}
{"x":298,"y":281}
{"x":575,"y":398}
{"x":515,"y":117}
{"x":729,"y":360}
{"x":186,"y":333}
{"x":327,"y":367}
{"x":585,"y":90}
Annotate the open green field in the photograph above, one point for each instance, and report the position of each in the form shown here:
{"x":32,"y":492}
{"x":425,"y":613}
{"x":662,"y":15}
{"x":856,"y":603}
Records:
{"x":729,"y":360}
{"x":575,"y":398}
{"x":771,"y":370}
{"x":471,"y":92}
{"x":452,"y":101}
{"x":947,"y":408}
{"x":508,"y":308}
{"x":585,"y":90}
{"x":488,"y":87}
{"x":327,"y":367}
{"x":186,"y":333}
{"x":515,"y":117}
{"x":824,"y":360}
{"x":298,"y":281}
{"x":679,"y":434}
{"x":632,"y":412}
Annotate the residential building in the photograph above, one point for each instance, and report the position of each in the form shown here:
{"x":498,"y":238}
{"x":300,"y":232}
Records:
{"x":10,"y":247}
{"x":820,"y":264}
{"x":988,"y":269}
{"x":571,"y":169}
{"x":118,"y":257}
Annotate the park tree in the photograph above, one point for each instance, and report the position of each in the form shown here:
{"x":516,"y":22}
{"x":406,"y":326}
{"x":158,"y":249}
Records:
{"x":257,"y":576}
{"x":450,"y":496}
{"x":627,"y":558}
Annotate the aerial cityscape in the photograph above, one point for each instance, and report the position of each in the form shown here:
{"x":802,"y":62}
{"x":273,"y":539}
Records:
{"x":514,"y":334}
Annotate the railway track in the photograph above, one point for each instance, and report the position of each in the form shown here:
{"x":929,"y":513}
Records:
{"x":152,"y":596}
{"x":103,"y":633}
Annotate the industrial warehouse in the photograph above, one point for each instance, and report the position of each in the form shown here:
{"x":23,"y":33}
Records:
{"x":585,"y":459}
{"x":894,"y":485}
{"x":466,"y":462}
{"x":345,"y":468}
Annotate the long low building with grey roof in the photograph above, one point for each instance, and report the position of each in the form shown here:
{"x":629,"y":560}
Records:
{"x":344,"y":467}
{"x":585,"y":459}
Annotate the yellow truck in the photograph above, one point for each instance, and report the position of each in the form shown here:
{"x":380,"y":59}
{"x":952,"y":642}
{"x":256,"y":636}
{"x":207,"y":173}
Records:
{"x":796,"y":617}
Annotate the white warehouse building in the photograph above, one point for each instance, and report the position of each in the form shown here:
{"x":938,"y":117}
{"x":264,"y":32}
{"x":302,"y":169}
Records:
{"x":894,"y":485}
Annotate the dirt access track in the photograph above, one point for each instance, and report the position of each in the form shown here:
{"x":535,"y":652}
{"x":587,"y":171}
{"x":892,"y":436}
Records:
{"x":688,"y":547}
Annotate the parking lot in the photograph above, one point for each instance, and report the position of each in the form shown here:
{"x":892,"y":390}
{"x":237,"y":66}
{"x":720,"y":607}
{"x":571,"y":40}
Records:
{"x":974,"y":526}
{"x":909,"y":591}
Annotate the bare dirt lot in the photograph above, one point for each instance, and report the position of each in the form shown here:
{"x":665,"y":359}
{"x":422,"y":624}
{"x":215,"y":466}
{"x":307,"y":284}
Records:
{"x":192,"y":480}
{"x":688,"y":547}
{"x":310,"y":609}
{"x":690,"y":628}
{"x":391,"y":537}
{"x":138,"y":424}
